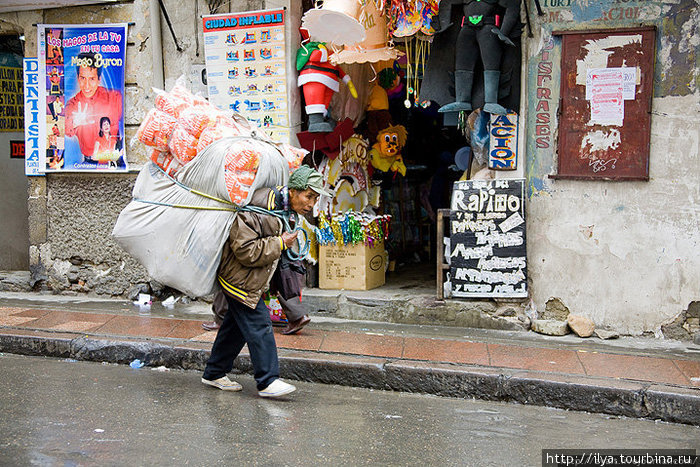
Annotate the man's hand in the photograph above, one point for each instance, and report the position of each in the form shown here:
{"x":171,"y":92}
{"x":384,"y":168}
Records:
{"x":289,"y":238}
{"x":80,"y":116}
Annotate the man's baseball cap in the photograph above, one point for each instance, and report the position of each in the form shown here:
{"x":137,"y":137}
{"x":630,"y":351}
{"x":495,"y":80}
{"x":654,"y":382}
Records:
{"x":305,"y":177}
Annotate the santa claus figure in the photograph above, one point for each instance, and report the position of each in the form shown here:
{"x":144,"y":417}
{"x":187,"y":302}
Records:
{"x":319,"y":80}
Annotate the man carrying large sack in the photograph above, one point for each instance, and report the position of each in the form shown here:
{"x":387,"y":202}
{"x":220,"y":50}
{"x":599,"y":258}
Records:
{"x":248,"y":262}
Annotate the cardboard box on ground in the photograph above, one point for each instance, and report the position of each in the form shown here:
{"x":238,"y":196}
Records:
{"x":352,"y":267}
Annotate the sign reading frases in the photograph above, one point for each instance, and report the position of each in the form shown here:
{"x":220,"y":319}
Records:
{"x":246,"y":71}
{"x":487,"y":239}
{"x":81,"y":78}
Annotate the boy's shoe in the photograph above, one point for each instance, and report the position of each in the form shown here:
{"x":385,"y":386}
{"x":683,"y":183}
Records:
{"x":210,"y":326}
{"x":295,"y":326}
{"x":276,"y":389}
{"x":223,"y":383}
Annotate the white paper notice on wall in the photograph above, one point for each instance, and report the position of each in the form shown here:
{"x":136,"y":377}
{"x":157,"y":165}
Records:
{"x":629,"y":81}
{"x":606,"y":96}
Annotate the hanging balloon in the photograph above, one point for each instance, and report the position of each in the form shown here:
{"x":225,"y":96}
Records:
{"x":335,"y":22}
{"x":429,"y":17}
{"x":374,"y":48}
{"x":407,"y":18}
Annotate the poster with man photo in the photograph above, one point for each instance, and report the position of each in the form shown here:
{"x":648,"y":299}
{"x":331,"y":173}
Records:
{"x":81,"y":76}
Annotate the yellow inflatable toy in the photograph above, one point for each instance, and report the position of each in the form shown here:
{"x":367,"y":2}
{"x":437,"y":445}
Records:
{"x":385,"y":154}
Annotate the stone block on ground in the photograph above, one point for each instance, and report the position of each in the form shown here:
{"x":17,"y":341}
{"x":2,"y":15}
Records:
{"x":677,"y":329}
{"x":580,"y":325}
{"x":15,"y":281}
{"x":606,"y":334}
{"x":555,"y":309}
{"x":550,"y":327}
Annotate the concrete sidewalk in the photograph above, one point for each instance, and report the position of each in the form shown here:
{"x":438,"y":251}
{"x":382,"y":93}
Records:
{"x":631,"y":377}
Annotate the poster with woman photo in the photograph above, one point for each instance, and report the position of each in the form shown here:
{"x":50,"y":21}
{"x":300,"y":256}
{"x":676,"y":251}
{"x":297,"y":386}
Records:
{"x":81,"y":71}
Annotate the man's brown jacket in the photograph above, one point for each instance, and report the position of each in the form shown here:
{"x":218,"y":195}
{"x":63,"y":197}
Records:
{"x":252,"y":250}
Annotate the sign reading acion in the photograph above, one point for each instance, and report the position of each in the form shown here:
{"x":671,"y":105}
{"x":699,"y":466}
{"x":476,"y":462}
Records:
{"x":503,"y":147}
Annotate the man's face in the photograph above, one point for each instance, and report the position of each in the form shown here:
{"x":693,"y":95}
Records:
{"x":88,"y":80}
{"x":302,"y":202}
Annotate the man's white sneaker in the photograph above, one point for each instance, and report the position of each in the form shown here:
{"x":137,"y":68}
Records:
{"x":276,"y":389}
{"x":223,"y":383}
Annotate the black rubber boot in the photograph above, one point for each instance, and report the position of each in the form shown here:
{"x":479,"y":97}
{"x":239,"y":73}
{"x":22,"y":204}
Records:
{"x":463,"y":92}
{"x":491,"y":105}
{"x":317,"y":124}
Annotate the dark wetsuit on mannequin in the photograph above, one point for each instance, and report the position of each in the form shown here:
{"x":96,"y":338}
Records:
{"x":479,"y":36}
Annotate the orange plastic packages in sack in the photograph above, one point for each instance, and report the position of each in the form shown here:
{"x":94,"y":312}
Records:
{"x":166,"y":162}
{"x":184,"y":125}
{"x":182,"y":145}
{"x":155,"y":130}
{"x":294,"y":156}
{"x":214,"y":133}
{"x":180,"y":91}
{"x":170,"y":104}
{"x":239,"y":171}
{"x":196,"y":118}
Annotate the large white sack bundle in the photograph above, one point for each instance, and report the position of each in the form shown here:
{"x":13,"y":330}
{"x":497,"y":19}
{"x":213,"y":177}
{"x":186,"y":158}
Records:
{"x":178,"y":235}
{"x":242,"y":164}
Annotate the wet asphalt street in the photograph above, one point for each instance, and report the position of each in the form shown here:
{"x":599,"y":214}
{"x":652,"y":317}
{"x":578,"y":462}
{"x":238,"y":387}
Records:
{"x":57,"y":412}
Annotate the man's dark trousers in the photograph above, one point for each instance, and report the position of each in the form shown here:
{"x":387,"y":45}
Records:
{"x":245,"y":325}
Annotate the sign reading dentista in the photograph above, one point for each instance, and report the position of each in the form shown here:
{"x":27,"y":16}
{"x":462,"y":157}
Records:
{"x":81,"y":97}
{"x":33,"y":117}
{"x":245,"y":59}
{"x":487,"y":239}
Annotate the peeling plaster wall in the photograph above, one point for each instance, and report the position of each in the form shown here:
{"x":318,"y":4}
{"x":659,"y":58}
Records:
{"x":625,"y":254}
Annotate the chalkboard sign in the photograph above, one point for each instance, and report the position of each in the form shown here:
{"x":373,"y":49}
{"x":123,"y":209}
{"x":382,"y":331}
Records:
{"x":487,"y":239}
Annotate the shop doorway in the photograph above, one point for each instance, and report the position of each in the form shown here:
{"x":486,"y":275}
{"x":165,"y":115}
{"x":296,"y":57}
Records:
{"x":413,"y":172}
{"x":14,"y":212}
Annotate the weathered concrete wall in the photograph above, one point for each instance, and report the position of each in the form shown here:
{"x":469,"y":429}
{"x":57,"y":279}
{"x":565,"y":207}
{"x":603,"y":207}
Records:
{"x":625,"y":254}
{"x":80,"y":254}
{"x":71,"y":216}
